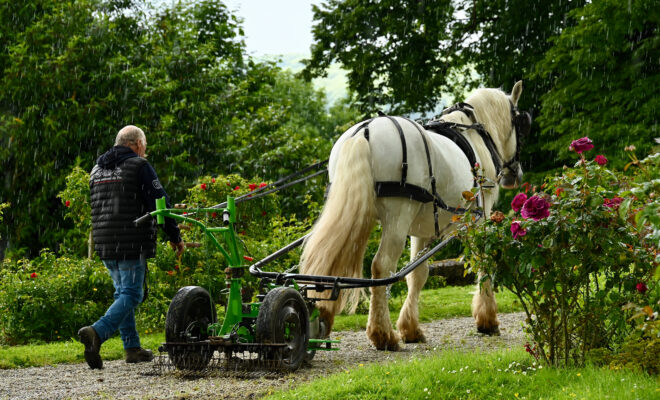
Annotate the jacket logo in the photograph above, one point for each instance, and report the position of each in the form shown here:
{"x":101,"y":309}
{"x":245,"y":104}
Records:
{"x":156,"y":184}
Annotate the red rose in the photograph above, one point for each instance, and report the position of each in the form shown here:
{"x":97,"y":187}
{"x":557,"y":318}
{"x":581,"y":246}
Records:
{"x":536,"y":208}
{"x":214,"y":214}
{"x":558,"y":191}
{"x":202,"y":186}
{"x":581,"y":145}
{"x":516,"y":230}
{"x":33,"y":275}
{"x":600,"y":160}
{"x":518,"y":201}
{"x":212,"y":180}
{"x":252,"y":186}
{"x":237,"y":187}
{"x":641,"y":287}
{"x":262,"y":184}
{"x":263,"y":213}
{"x":613,"y":202}
{"x":67,"y":203}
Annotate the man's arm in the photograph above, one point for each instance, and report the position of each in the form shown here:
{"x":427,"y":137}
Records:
{"x":152,"y":190}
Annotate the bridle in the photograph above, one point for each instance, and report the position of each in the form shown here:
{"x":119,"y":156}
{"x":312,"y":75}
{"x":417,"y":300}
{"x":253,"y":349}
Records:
{"x":520,"y":121}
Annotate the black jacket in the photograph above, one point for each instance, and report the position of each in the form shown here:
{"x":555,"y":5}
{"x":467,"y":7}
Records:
{"x":124,"y":187}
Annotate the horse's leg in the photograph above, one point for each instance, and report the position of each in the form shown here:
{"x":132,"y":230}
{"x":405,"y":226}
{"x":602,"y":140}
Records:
{"x":408,"y":323}
{"x":484,"y":307}
{"x":396,"y":216}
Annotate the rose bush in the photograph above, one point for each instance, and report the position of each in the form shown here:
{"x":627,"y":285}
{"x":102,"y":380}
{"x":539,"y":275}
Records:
{"x":577,"y":253}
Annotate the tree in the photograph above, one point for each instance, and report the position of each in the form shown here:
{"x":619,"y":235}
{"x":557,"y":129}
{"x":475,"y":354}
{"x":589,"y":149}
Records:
{"x":393,"y":52}
{"x":604,"y":74}
{"x":406,"y":57}
{"x":75,"y":72}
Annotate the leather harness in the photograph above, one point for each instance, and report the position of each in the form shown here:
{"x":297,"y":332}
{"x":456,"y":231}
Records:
{"x":448,"y":129}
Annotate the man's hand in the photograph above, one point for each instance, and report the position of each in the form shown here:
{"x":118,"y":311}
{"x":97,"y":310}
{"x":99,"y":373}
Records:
{"x":178,"y":248}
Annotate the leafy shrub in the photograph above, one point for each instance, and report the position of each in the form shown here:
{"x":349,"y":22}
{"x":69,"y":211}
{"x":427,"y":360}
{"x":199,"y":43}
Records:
{"x":76,"y":199}
{"x":50,"y":298}
{"x":575,"y":253}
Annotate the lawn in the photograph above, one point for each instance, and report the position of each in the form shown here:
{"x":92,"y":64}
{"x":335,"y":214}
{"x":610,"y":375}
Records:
{"x":502,"y":374}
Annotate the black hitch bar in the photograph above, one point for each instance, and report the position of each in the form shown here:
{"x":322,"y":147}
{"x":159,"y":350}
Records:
{"x":335,"y":283}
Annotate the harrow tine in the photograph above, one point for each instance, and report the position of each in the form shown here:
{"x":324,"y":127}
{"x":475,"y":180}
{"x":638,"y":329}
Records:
{"x":232,"y":360}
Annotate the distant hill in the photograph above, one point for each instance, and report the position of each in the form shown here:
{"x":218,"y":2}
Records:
{"x":334,"y":85}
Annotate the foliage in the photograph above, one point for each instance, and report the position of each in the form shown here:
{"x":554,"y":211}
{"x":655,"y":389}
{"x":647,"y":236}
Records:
{"x":408,"y":57}
{"x":575,"y":264}
{"x":76,"y":199}
{"x":603,"y":73}
{"x":386,"y":46}
{"x":74,"y":72}
{"x":2,"y":207}
{"x":49,"y":298}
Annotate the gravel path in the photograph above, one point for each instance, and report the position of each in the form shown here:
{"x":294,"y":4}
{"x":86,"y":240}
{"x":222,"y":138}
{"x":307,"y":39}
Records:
{"x":119,"y":380}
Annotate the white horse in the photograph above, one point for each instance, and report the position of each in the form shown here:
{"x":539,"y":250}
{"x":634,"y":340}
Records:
{"x":338,"y":239}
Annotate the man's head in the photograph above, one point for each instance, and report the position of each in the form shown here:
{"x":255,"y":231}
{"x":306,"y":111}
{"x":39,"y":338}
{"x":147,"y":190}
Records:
{"x":133,"y":137}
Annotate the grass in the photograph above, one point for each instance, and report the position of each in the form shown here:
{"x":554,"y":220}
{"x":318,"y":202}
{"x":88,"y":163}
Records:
{"x":435,"y":304}
{"x":504,"y":374}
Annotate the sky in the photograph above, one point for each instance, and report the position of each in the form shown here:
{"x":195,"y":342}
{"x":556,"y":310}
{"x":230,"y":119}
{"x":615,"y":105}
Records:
{"x":275,"y":27}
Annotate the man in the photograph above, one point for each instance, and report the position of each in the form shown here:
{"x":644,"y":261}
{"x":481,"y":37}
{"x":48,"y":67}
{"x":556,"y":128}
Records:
{"x":123,"y":187}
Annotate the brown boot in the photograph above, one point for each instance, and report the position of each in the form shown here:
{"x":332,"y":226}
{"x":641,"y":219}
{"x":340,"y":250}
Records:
{"x":92,"y":342}
{"x":138,"y":354}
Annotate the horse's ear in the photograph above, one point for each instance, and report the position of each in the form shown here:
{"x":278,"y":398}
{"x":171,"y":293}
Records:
{"x":516,"y":92}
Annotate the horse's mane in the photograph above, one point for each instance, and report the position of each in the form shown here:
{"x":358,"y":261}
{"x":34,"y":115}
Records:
{"x":493,"y":110}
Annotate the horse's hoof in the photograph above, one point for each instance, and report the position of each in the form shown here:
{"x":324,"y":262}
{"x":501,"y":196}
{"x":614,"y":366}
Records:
{"x":416,"y":336}
{"x":385,"y":341}
{"x":416,"y":339}
{"x":489,"y":330}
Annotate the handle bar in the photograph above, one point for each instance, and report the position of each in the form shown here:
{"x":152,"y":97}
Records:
{"x":143,"y":219}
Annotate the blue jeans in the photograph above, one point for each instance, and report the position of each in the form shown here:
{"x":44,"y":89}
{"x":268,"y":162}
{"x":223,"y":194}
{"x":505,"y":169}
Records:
{"x":127,"y":278}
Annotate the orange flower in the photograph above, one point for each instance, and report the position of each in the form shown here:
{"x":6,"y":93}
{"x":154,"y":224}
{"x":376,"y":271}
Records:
{"x":497,"y":217}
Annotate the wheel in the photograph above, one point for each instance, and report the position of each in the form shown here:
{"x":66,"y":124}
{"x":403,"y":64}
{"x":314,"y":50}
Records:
{"x":189,"y":314}
{"x":283,"y":318}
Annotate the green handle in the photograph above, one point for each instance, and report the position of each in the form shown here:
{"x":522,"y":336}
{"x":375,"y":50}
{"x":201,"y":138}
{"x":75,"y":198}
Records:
{"x":160,"y":205}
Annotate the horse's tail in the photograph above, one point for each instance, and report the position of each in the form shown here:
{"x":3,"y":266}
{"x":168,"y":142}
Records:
{"x":339,"y":237}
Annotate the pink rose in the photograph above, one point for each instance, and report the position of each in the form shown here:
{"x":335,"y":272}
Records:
{"x":600,"y":159}
{"x":516,"y":230}
{"x":518,"y":201}
{"x":581,"y":145}
{"x":536,"y":208}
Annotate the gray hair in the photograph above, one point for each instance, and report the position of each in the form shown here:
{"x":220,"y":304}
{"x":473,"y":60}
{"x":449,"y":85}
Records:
{"x":130,"y":134}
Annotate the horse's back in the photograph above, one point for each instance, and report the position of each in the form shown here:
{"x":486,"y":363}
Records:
{"x":450,"y":166}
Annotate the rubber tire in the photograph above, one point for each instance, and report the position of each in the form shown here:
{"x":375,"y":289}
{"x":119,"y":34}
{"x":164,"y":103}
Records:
{"x":191,"y":304}
{"x":283,"y":308}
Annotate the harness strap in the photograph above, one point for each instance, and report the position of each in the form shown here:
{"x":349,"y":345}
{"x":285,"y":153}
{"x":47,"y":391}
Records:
{"x":365,"y":126}
{"x":404,"y":163}
{"x":433,"y":190}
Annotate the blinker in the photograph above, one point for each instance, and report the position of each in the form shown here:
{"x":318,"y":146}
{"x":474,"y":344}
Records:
{"x":523,"y":123}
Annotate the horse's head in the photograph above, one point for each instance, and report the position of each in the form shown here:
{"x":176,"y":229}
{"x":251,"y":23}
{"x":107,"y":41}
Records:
{"x":521,"y":122}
